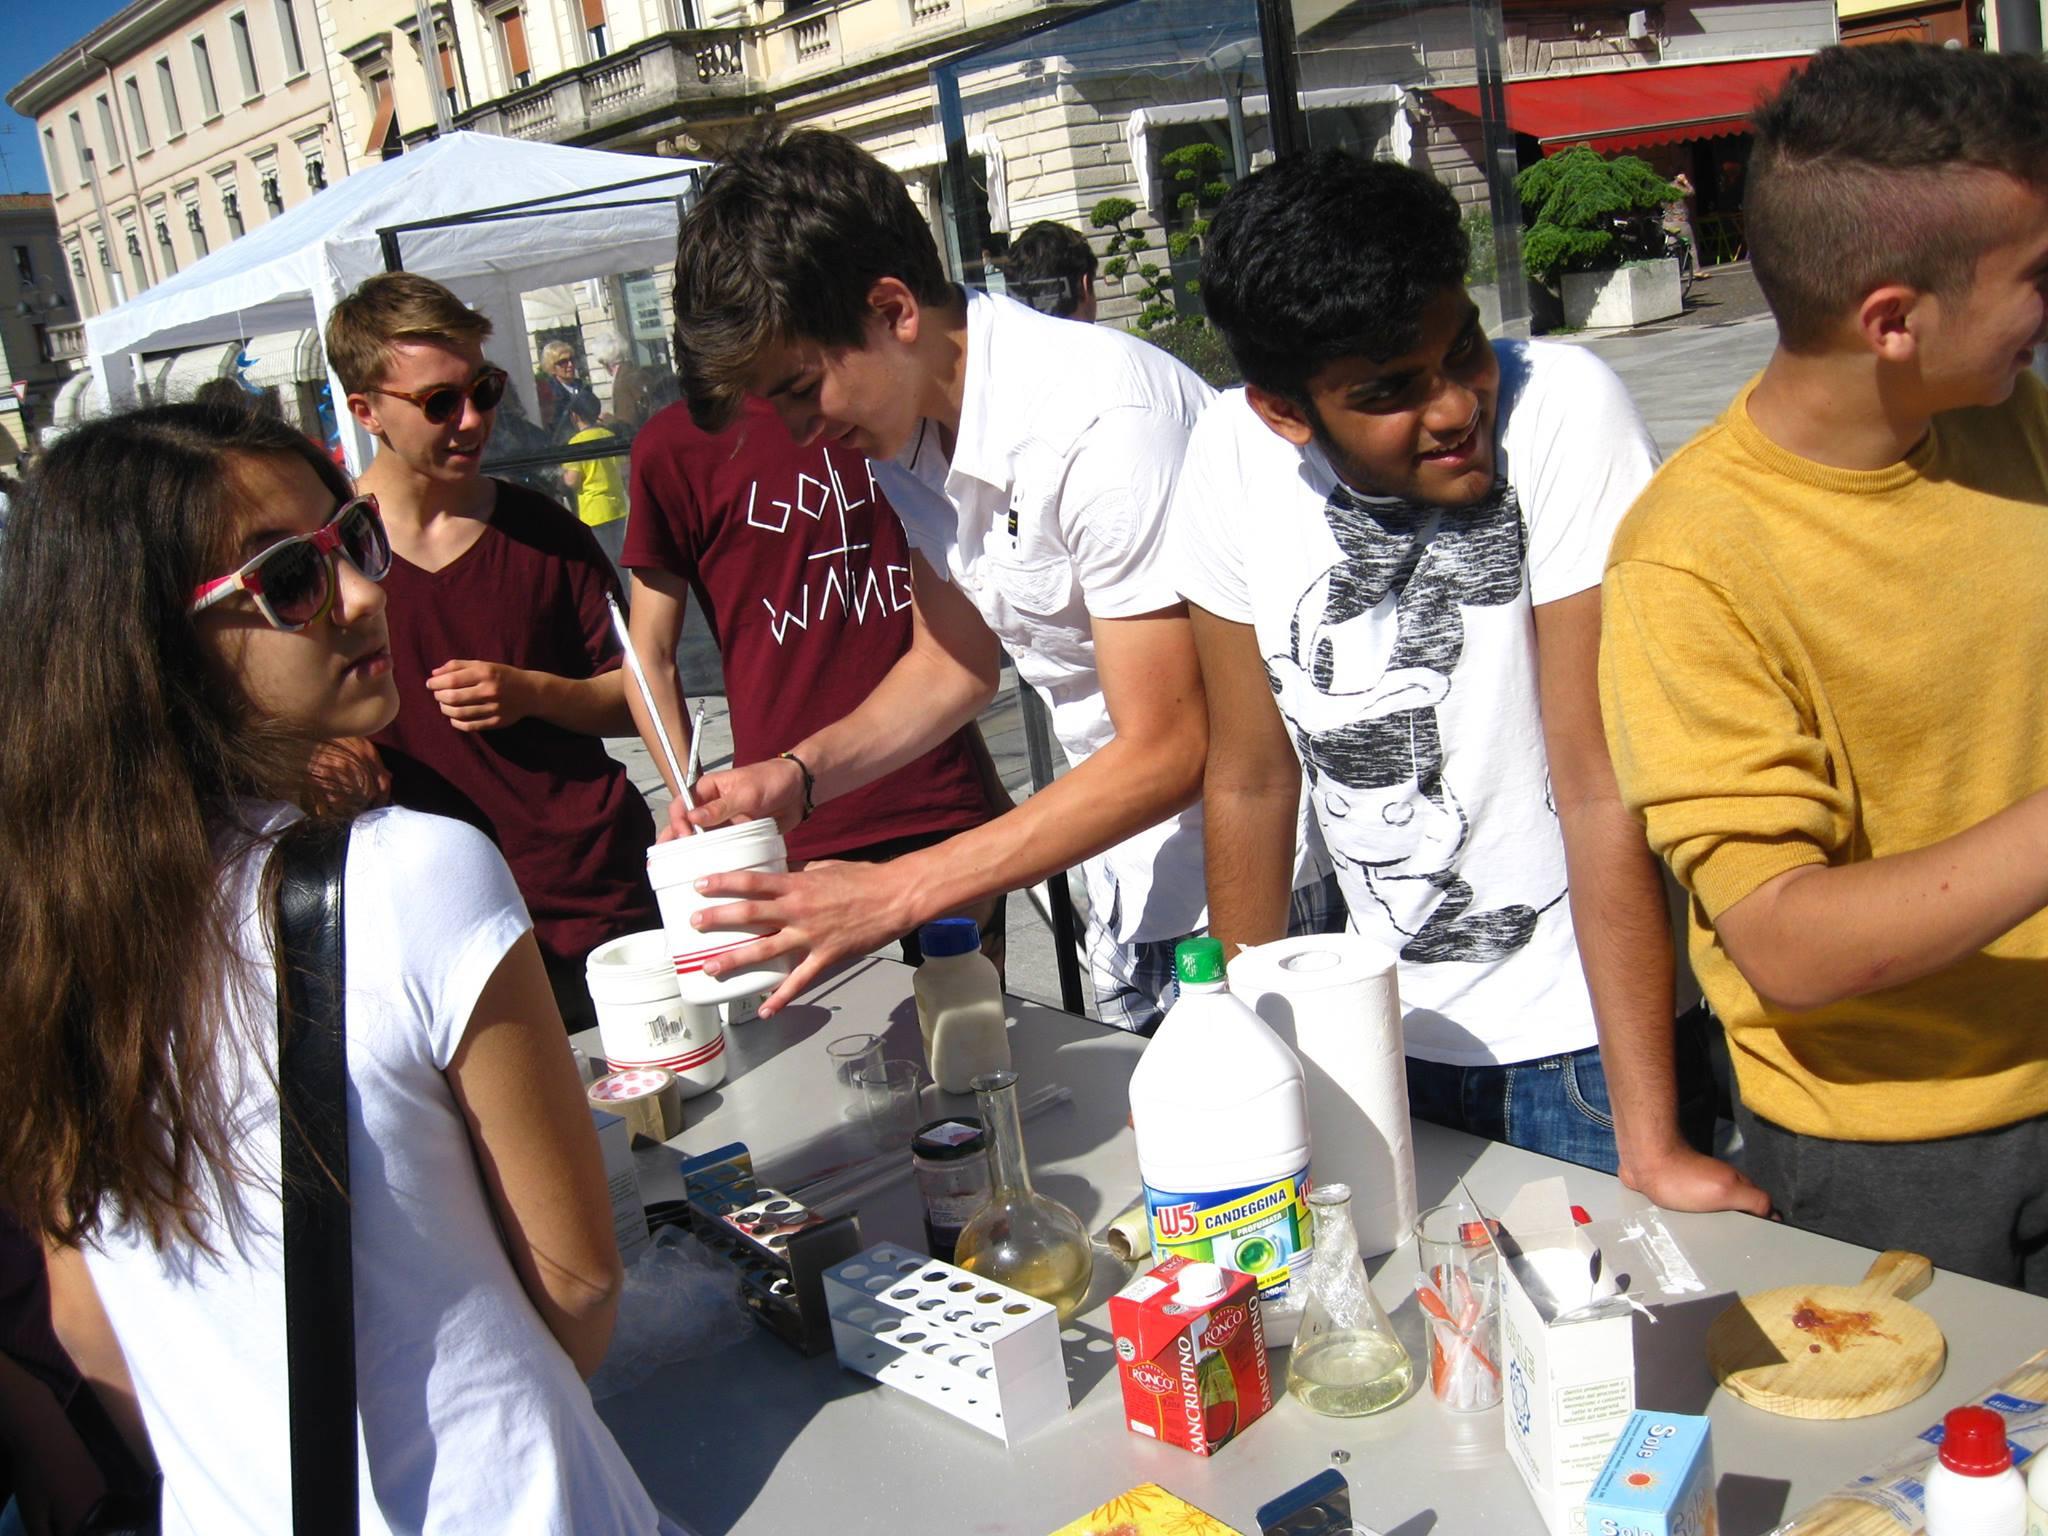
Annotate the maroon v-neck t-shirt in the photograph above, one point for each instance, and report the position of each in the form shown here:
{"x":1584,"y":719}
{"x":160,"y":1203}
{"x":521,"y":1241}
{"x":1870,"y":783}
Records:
{"x":529,"y":593}
{"x":803,"y":575}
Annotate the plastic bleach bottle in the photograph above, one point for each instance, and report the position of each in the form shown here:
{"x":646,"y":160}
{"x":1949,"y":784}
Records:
{"x":2037,"y":1496}
{"x":959,"y":1005}
{"x":1972,"y":1487}
{"x":1220,"y":1112}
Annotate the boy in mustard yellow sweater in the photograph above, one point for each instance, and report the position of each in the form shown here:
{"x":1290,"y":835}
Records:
{"x":1824,"y":664}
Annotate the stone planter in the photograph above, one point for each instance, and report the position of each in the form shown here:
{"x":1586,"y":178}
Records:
{"x":1635,"y":294}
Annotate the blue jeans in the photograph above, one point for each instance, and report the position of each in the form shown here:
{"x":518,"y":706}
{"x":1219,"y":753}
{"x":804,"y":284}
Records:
{"x":1556,"y":1105}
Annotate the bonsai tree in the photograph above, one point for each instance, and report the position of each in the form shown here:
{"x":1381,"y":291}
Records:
{"x":1586,"y":213}
{"x":1198,"y":182}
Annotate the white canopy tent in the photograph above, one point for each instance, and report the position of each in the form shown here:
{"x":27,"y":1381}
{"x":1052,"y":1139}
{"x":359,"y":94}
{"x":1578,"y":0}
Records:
{"x":289,"y":274}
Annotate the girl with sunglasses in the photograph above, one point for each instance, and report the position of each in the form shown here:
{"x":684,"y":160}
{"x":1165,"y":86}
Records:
{"x":190,"y":596}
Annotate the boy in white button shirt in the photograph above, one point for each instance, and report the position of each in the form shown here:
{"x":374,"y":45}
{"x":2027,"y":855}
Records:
{"x":1031,"y":461}
{"x":1391,"y":541}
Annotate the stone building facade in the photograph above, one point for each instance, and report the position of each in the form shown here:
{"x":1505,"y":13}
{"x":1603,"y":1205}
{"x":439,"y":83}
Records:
{"x":176,"y":127}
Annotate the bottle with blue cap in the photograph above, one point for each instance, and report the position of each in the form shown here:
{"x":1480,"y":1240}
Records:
{"x":959,"y":1005}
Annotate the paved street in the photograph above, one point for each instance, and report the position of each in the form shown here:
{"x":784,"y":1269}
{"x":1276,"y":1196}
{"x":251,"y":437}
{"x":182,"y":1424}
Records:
{"x":1681,"y":375}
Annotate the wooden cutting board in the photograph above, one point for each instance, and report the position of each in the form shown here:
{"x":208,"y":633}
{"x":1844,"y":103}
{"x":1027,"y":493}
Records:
{"x":1832,"y":1351}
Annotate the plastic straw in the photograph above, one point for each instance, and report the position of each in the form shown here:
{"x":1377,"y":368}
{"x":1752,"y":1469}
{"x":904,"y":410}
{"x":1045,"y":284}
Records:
{"x":695,"y":765}
{"x":668,"y":750}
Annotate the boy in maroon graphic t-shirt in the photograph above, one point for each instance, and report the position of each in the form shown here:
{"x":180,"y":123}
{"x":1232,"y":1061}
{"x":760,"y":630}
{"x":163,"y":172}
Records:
{"x":501,"y":644}
{"x":803,"y":576}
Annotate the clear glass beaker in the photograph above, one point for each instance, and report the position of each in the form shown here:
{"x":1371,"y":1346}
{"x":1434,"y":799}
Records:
{"x":1024,"y":1239}
{"x":1346,"y":1360}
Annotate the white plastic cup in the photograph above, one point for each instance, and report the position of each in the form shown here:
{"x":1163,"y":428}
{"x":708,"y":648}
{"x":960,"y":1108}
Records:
{"x":674,"y":867}
{"x":643,"y":1021}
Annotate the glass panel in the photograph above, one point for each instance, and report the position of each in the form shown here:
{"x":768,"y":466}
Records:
{"x":1127,"y":122}
{"x":1368,"y":73}
{"x":589,"y":363}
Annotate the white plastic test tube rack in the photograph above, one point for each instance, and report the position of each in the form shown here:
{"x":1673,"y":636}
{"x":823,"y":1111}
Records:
{"x":986,"y":1354}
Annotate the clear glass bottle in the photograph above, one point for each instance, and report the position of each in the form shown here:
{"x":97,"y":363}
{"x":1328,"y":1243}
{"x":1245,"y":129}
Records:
{"x":1346,"y":1360}
{"x":1022,"y":1238}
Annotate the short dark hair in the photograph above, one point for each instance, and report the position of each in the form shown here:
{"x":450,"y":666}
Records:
{"x":1853,"y":175}
{"x":1045,"y":266}
{"x":387,"y":310}
{"x":1325,"y":256}
{"x":787,"y":237}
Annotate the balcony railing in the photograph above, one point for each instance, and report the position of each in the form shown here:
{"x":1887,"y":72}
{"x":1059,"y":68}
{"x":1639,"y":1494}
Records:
{"x":649,"y":80}
{"x":64,"y":343}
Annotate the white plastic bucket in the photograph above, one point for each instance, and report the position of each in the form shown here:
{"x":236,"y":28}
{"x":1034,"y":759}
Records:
{"x":642,"y":1020}
{"x":672,"y":869}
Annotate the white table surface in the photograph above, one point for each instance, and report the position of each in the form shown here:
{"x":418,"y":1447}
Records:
{"x":757,"y":1439}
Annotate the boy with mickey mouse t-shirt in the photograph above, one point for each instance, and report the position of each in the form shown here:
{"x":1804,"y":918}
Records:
{"x":1391,"y":541}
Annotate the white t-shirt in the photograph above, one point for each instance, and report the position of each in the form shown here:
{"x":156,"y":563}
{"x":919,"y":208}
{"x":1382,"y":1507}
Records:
{"x":473,"y":1418}
{"x":1050,"y":513}
{"x":1401,"y":646}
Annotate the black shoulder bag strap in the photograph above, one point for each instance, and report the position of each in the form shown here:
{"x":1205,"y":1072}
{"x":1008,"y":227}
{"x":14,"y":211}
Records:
{"x":312,"y":1079}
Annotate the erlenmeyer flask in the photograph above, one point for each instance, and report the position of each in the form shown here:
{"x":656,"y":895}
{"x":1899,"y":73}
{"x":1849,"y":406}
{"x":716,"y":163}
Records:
{"x":1020,"y":1237}
{"x":1346,"y":1360}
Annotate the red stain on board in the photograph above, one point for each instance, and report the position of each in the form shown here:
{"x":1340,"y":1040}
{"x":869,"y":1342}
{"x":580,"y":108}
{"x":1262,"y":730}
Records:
{"x":1837,"y":1329}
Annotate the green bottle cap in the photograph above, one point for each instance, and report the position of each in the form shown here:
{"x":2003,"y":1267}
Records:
{"x":1198,"y":962}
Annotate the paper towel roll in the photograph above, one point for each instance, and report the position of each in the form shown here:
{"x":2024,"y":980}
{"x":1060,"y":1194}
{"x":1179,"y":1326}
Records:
{"x":1335,"y":1000}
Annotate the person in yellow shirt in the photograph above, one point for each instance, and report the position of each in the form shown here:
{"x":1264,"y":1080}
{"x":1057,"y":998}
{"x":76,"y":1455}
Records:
{"x":1824,"y":663}
{"x":599,"y":484}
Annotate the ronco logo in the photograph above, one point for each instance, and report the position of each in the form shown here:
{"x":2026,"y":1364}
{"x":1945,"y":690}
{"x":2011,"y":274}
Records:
{"x":1223,"y":1325}
{"x":1177,"y":1221}
{"x":1152,"y":1378}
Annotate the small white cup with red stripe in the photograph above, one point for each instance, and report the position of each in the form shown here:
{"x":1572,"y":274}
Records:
{"x":674,"y":867}
{"x":643,"y":1021}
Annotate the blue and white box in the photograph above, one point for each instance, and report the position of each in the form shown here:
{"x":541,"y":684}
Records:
{"x":1658,"y":1482}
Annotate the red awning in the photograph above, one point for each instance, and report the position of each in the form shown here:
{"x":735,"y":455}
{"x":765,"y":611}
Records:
{"x":1627,"y":108}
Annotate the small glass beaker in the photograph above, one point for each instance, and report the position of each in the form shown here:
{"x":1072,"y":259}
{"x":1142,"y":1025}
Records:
{"x":1459,"y":1291}
{"x":850,"y":1056}
{"x":890,"y":1098}
{"x":1346,"y":1360}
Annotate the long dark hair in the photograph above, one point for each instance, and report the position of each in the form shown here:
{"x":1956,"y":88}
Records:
{"x":125,"y":756}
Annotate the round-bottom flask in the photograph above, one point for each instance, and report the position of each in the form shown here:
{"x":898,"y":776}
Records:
{"x":1026,"y":1240}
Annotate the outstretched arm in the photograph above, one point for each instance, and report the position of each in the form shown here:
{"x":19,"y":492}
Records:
{"x":938,"y":685}
{"x":1151,"y":769}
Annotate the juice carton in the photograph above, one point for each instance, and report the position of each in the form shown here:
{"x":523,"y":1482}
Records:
{"x":1568,"y":1348}
{"x":1191,"y":1354}
{"x":1658,"y":1482}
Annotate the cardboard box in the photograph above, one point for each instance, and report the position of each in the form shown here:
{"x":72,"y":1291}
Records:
{"x":1569,"y":1353}
{"x":1658,"y":1482}
{"x":1194,"y":1377}
{"x":629,"y":1216}
{"x":1148,"y":1510}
